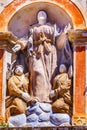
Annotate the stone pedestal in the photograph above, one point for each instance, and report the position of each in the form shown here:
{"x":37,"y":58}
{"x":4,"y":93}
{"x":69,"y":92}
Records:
{"x":79,"y":40}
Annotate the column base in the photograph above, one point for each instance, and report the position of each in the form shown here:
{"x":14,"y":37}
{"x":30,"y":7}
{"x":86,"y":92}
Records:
{"x":79,"y":119}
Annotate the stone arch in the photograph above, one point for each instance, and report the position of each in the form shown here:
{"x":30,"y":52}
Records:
{"x":66,"y":7}
{"x":20,"y":21}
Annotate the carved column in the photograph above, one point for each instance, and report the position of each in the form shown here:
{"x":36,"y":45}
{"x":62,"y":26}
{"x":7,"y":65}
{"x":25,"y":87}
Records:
{"x":79,"y":40}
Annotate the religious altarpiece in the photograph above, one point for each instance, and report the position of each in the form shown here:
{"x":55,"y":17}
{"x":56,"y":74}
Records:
{"x":43,"y":59}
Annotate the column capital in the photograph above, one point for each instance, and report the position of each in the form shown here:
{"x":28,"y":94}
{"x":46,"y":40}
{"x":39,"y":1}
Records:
{"x":78,"y":37}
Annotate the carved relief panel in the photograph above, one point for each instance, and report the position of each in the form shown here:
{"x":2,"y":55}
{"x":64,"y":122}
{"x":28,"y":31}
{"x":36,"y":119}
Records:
{"x":39,"y":70}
